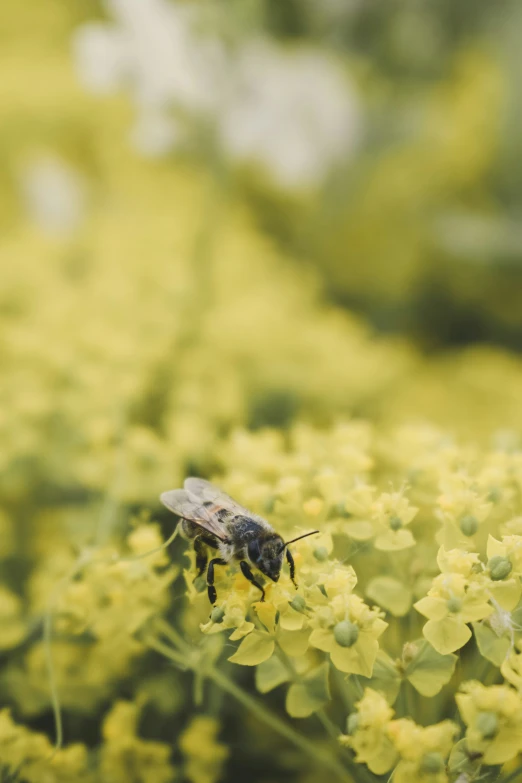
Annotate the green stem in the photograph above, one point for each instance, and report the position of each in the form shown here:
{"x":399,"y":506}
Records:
{"x":515,"y":776}
{"x":265,"y":715}
{"x":167,"y":630}
{"x":343,"y":690}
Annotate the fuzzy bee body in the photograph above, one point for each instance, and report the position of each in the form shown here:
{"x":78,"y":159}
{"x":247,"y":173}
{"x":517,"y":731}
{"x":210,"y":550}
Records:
{"x":210,"y":518}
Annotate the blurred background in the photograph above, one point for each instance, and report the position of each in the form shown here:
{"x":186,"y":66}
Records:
{"x":219,"y":214}
{"x":234,"y":214}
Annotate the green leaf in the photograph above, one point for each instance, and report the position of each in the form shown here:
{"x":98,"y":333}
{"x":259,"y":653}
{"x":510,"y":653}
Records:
{"x":461,"y":761}
{"x":385,"y":678}
{"x":429,"y":671}
{"x":270,"y":674}
{"x":255,"y":648}
{"x":491,"y":646}
{"x":306,"y":697}
{"x":390,"y":594}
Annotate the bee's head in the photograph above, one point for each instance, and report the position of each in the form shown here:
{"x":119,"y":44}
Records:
{"x":266,"y":554}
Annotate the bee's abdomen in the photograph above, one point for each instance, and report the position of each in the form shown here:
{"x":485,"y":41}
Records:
{"x":189,"y":529}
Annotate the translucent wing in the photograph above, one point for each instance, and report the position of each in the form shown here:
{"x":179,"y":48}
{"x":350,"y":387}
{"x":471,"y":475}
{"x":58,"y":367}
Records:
{"x":189,"y":506}
{"x":217,"y":501}
{"x":208,"y":493}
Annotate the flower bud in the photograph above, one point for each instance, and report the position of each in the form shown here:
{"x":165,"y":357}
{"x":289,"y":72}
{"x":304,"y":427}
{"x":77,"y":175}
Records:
{"x":346,"y":633}
{"x":454,"y":605}
{"x":409,"y":651}
{"x":432,"y":763}
{"x":487,"y":724}
{"x":395,"y":523}
{"x":217,"y":614}
{"x":499,"y":567}
{"x":495,"y":495}
{"x":352,"y":723}
{"x":468,"y":525}
{"x":321,"y":553}
{"x":298,"y":603}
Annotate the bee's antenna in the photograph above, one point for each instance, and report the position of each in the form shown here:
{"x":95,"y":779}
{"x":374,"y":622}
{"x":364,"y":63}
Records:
{"x":305,"y":535}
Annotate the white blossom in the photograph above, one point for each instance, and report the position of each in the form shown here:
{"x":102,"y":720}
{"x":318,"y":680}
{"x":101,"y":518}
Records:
{"x":53,"y":195}
{"x":291,"y":112}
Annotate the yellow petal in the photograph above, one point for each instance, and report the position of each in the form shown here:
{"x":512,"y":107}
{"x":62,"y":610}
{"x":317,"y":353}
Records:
{"x":266,"y":612}
{"x":446,"y":635}
{"x":294,"y":643}
{"x":394,"y":540}
{"x":256,"y":648}
{"x":505,"y":746}
{"x":495,"y":548}
{"x":241,"y":630}
{"x":359,"y":530}
{"x":507,"y":593}
{"x":291,"y":620}
{"x":475,"y":609}
{"x":358,"y":659}
{"x":322,"y":639}
{"x":432,"y":608}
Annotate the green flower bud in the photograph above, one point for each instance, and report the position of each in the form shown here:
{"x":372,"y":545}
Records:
{"x":321,"y":553}
{"x":499,"y":567}
{"x":495,"y":495}
{"x":340,"y":510}
{"x":395,"y":523}
{"x":352,"y":723}
{"x":454,"y":605}
{"x":469,"y":525}
{"x":346,"y":633}
{"x":298,"y":603}
{"x":487,"y":724}
{"x":409,"y":651}
{"x":432,"y":763}
{"x":217,"y":614}
{"x":200,"y":583}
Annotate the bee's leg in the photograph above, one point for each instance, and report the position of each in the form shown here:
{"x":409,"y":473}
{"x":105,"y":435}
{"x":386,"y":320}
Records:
{"x":201,"y":555}
{"x":247,"y":573}
{"x":212,"y":595}
{"x":291,"y":565}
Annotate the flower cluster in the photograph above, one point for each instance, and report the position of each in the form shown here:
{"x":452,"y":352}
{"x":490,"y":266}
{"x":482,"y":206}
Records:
{"x":383,"y":743}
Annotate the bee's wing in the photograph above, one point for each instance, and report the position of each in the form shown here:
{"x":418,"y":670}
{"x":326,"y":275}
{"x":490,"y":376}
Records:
{"x":208,"y":493}
{"x":188,"y":506}
{"x":216,"y":500}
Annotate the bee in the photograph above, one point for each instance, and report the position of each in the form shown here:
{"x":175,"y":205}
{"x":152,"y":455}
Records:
{"x":212,"y":519}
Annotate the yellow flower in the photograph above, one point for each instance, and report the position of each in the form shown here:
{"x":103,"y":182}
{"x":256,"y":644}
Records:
{"x":231,"y":613}
{"x":348,"y":629}
{"x":454,"y":600}
{"x":391,"y":513}
{"x":30,"y":755}
{"x":204,"y":754}
{"x":125,"y":756}
{"x":462,"y":509}
{"x":367,"y":733}
{"x":493,"y":716}
{"x":511,"y":668}
{"x":423,"y":750}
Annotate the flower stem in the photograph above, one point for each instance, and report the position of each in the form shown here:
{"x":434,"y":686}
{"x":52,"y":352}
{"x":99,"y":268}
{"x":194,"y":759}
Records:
{"x":323,"y":758}
{"x":514,"y":777}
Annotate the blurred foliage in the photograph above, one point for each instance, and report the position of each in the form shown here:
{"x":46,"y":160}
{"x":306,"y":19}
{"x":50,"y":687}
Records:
{"x":158,"y":315}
